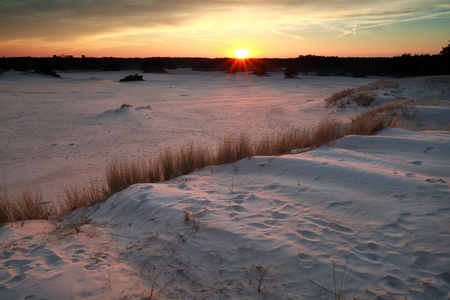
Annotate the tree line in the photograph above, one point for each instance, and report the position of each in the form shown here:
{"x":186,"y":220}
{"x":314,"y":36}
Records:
{"x":397,"y":66}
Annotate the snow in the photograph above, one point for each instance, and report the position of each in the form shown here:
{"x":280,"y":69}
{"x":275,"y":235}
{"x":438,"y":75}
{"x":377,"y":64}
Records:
{"x":57,"y":131}
{"x":282,"y":225}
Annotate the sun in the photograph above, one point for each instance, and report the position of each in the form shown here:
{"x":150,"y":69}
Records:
{"x":241,"y":53}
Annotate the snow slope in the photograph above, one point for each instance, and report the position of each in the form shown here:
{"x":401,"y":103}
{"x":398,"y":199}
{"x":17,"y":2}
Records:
{"x":382,"y":200}
{"x":374,"y":208}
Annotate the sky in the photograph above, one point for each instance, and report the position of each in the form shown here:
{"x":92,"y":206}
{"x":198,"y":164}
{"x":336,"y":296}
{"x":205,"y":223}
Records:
{"x":216,"y":28}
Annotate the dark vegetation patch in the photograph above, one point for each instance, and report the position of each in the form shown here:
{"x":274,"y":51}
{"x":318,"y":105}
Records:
{"x":135,"y":77}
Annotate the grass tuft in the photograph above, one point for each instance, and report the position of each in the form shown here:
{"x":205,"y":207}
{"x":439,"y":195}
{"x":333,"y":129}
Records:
{"x":26,"y":206}
{"x":363,"y":99}
{"x":283,"y":143}
{"x":86,"y":196}
{"x":189,"y":215}
{"x":120,"y":174}
{"x":367,"y":125}
{"x":338,"y":96}
{"x":325,"y":132}
{"x":233,"y":149}
{"x":359,"y":95}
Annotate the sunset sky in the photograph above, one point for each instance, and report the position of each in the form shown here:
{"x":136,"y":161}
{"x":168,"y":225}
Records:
{"x":216,"y":28}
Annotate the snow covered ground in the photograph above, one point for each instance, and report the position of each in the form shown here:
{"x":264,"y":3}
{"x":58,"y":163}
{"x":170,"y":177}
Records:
{"x":374,"y":208}
{"x":59,"y":131}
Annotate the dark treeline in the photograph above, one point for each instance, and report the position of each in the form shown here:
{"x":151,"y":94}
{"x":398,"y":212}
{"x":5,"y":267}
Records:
{"x":399,"y":66}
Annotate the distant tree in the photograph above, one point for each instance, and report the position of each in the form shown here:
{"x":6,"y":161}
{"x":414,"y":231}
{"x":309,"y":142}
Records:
{"x":45,"y":67}
{"x":291,"y":72}
{"x":445,"y":50}
{"x":153,"y":65}
{"x":324,"y":71}
{"x":305,"y":63}
{"x":443,"y":61}
{"x":259,"y":70}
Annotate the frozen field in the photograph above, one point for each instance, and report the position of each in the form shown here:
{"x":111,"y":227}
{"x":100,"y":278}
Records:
{"x":55,"y":132}
{"x":374,"y":210}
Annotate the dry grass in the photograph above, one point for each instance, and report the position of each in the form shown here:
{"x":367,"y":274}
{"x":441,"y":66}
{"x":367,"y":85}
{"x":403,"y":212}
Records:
{"x":385,"y":108}
{"x":359,"y":95}
{"x":194,"y":156}
{"x":338,"y":96}
{"x":327,"y":131}
{"x":86,"y":196}
{"x":189,"y":215}
{"x":233,"y":149}
{"x":125,"y":106}
{"x":120,"y":174}
{"x":377,"y":118}
{"x":283,"y":142}
{"x":368,"y":125}
{"x":362,"y":99}
{"x":378,"y":85}
{"x":296,"y":139}
{"x":169,"y":164}
{"x":26,"y":206}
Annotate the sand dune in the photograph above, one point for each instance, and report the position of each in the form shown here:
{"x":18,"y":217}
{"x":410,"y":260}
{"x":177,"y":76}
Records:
{"x":375,"y":208}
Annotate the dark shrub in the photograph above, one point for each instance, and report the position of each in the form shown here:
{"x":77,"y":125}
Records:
{"x":135,"y":77}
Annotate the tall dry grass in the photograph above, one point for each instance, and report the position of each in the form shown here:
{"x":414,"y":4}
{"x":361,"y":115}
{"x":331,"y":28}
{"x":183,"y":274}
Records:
{"x":120,"y":174}
{"x":169,"y":164}
{"x":359,"y":95}
{"x":88,"y":195}
{"x":368,"y":125}
{"x":283,"y":142}
{"x":378,"y":85}
{"x":388,"y":107}
{"x":338,"y":96}
{"x":26,"y":206}
{"x":233,"y":149}
{"x":325,"y":132}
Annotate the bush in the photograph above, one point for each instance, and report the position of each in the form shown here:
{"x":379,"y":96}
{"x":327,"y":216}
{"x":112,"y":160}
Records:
{"x":135,"y":77}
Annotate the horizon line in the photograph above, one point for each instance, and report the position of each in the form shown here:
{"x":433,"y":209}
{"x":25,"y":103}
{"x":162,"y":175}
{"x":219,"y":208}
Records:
{"x":217,"y":57}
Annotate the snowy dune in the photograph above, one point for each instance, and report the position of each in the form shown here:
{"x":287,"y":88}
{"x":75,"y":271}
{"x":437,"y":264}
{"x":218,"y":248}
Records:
{"x":282,"y":225}
{"x":56,"y":132}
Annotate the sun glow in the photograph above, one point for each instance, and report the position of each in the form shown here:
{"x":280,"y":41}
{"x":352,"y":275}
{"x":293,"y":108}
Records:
{"x":241,"y":53}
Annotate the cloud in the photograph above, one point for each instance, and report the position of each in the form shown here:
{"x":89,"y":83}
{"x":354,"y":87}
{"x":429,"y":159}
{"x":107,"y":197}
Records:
{"x":289,"y":35}
{"x":69,"y":19}
{"x":386,"y":19}
{"x":82,"y":21}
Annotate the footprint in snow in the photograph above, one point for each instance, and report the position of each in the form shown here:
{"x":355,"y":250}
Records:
{"x":428,"y":149}
{"x":433,"y":180}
